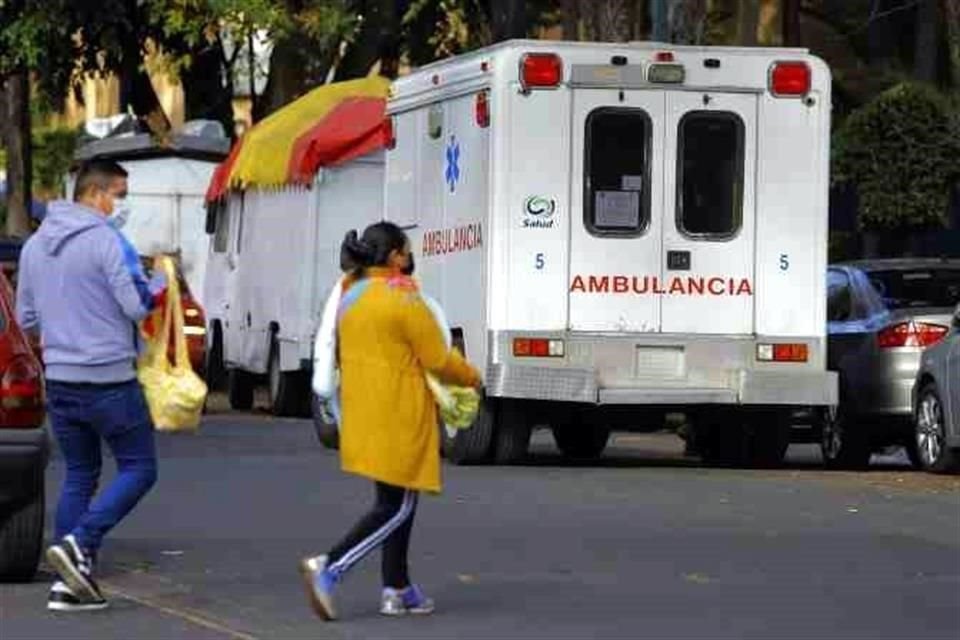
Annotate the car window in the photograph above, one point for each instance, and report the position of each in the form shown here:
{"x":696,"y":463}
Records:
{"x":921,"y":287}
{"x":839,"y":296}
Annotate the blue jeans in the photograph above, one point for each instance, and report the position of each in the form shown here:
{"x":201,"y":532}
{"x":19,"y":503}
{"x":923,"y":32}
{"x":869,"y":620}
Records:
{"x":81,"y":415}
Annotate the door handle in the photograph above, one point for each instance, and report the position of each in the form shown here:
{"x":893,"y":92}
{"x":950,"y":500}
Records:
{"x":678,"y":261}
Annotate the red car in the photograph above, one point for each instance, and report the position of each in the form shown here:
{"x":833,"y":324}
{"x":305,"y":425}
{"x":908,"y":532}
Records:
{"x":24,"y":446}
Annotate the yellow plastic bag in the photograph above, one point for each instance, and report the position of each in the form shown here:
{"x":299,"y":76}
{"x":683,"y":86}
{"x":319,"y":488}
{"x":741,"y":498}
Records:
{"x":458,"y":406}
{"x":175,"y":393}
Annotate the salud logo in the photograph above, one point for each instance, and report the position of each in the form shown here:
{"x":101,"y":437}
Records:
{"x":538,"y":212}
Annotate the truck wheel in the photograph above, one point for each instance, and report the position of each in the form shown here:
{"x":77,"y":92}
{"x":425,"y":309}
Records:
{"x":768,"y":437}
{"x":327,"y":432}
{"x":581,"y":442}
{"x":843,"y":442}
{"x":21,"y":540}
{"x":931,"y":442}
{"x":473,"y":445}
{"x":213,"y":366}
{"x":240,"y":389}
{"x":512,"y":437}
{"x":288,"y":389}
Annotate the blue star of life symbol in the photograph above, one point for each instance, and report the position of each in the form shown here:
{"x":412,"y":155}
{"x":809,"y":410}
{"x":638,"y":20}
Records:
{"x":452,"y":174}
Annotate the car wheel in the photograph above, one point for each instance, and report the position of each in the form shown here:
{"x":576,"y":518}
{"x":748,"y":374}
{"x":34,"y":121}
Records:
{"x":843,"y":442}
{"x":240,"y":390}
{"x":327,"y":431}
{"x":473,"y":445}
{"x":932,"y":450}
{"x":21,"y":540}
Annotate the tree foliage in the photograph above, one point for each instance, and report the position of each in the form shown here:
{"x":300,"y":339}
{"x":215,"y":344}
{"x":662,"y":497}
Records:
{"x":902,"y":154}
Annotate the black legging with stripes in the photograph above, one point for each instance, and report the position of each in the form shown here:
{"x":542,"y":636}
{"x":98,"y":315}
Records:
{"x":387,"y":524}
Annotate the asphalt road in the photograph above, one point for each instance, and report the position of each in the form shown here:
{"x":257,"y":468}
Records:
{"x":644,"y":544}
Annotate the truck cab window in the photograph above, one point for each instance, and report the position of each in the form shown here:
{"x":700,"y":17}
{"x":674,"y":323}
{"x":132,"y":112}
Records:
{"x":710,"y":174}
{"x":617,"y":172}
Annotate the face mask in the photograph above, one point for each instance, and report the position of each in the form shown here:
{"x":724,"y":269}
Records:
{"x":121,"y":211}
{"x":408,"y":270}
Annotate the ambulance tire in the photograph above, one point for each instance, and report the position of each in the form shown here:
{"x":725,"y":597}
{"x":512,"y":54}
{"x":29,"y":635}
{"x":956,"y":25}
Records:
{"x":240,"y":389}
{"x":472,"y":446}
{"x":328,"y":433}
{"x":213,"y":369}
{"x":581,"y":442}
{"x":512,"y":437}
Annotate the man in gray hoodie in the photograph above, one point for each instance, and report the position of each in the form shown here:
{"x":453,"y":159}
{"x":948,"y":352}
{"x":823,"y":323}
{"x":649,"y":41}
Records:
{"x":81,"y":286}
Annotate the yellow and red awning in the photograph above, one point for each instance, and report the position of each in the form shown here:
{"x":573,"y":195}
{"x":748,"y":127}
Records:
{"x":330,"y":125}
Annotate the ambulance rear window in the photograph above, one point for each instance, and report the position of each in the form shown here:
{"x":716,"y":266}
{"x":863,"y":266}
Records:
{"x":710,"y":174}
{"x":617,"y":172}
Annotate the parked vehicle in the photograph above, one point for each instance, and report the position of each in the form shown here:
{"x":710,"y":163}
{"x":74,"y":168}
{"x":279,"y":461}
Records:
{"x":24,"y":447}
{"x":274,"y":249}
{"x":881,"y":315}
{"x":616,"y":234}
{"x":936,"y":402}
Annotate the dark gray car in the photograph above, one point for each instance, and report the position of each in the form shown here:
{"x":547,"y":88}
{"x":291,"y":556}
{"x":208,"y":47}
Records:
{"x":881,"y":316}
{"x":937,"y":403}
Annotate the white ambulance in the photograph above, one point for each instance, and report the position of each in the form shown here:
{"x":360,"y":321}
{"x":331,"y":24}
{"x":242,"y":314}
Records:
{"x":618,"y":231}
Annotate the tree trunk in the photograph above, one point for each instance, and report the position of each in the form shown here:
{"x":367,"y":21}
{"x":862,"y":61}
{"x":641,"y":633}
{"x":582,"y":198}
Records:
{"x":748,"y":16}
{"x":951,"y":12}
{"x":136,"y":90}
{"x":285,"y":80}
{"x":659,"y":20}
{"x":378,"y":39}
{"x":509,"y":19}
{"x":570,"y":14}
{"x":926,"y":41}
{"x":791,"y":23}
{"x":204,"y":91}
{"x":612,"y":21}
{"x":16,"y":140}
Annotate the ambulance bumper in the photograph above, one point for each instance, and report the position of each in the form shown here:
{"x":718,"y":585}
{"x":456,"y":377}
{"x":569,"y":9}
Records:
{"x":747,"y":387}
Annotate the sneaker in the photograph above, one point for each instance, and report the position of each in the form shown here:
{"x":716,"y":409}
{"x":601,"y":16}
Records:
{"x":74,"y":568}
{"x":319,"y":583}
{"x":400,"y":602}
{"x":63,"y":599}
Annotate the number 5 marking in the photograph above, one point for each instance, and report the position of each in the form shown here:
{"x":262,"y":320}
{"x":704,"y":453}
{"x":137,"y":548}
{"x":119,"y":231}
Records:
{"x":784,"y":261}
{"x":540,"y":261}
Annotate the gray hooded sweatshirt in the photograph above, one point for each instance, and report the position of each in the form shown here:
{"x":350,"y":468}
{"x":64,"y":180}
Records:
{"x":80,"y":284}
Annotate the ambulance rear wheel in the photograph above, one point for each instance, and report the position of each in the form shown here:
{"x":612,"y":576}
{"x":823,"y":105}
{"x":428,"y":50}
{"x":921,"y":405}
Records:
{"x":581,"y":441}
{"x":473,"y":445}
{"x":512,"y":437}
{"x":240,"y":389}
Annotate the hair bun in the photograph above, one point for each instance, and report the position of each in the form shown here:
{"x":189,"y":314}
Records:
{"x":354,"y":252}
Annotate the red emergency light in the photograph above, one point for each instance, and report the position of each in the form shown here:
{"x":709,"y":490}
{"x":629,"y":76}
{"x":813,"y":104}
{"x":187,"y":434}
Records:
{"x":481,"y":110}
{"x":790,"y":79}
{"x":663,"y":56}
{"x":540,"y":70}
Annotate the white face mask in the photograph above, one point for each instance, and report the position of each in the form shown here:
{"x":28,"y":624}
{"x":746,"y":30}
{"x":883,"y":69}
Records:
{"x":121,"y":211}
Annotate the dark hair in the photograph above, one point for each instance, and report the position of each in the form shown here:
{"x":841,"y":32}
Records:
{"x":96,"y":174}
{"x":373,"y":248}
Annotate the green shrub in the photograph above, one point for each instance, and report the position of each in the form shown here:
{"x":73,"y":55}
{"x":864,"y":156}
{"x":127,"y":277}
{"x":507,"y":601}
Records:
{"x":52,"y":153}
{"x":901,"y":152}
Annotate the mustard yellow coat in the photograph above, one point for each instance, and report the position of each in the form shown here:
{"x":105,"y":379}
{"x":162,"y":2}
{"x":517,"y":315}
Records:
{"x":387,"y":337}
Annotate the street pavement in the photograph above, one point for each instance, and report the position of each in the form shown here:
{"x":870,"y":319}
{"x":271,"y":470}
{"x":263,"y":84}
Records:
{"x":644,"y":544}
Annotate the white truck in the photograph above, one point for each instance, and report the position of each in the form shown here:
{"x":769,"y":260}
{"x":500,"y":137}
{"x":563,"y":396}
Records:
{"x":618,"y":231}
{"x":274,"y":255}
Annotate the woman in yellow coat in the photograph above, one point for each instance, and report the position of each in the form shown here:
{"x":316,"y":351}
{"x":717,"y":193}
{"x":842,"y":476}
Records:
{"x":387,"y":339}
